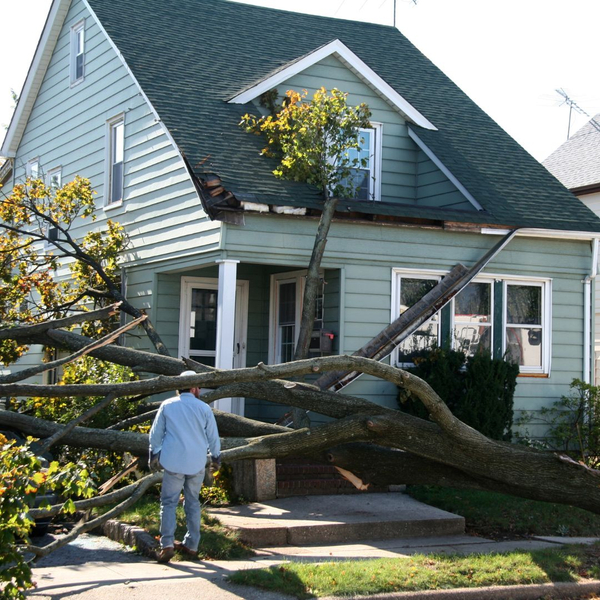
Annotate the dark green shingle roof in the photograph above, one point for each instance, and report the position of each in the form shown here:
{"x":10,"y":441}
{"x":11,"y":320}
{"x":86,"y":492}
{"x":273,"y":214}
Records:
{"x":191,"y":56}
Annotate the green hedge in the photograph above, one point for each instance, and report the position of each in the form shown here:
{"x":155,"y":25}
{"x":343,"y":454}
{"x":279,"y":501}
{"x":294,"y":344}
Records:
{"x":478,"y":390}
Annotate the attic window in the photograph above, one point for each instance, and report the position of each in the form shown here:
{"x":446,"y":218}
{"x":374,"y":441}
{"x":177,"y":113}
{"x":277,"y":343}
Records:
{"x":77,"y":52}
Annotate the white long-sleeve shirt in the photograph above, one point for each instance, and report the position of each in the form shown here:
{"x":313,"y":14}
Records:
{"x":183,"y":431}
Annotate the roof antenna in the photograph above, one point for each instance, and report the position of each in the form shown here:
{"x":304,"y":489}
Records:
{"x":573,"y":106}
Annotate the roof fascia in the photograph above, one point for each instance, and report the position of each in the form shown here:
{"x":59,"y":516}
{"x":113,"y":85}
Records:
{"x":165,"y":129}
{"x":585,"y":189}
{"x":339,"y":49}
{"x":445,"y":170}
{"x":35,"y":76}
{"x":546,"y":233}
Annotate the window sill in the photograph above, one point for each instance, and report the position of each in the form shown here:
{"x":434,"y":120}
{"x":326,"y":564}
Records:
{"x":113,"y":205}
{"x":538,"y":375}
{"x":77,"y":82}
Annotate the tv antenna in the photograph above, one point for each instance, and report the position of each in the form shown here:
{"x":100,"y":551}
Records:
{"x":573,"y":106}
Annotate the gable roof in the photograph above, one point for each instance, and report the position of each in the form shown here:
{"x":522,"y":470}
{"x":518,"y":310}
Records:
{"x":576,"y":164}
{"x":341,"y":51}
{"x":190,"y":61}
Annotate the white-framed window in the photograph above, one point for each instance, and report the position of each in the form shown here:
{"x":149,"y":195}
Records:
{"x":54,"y":178}
{"x":409,"y":288}
{"x":115,"y":160}
{"x":33,"y":168}
{"x":287,"y":290}
{"x":526,"y":324}
{"x":473,"y":318}
{"x":367,"y":179}
{"x":77,"y":41}
{"x":54,"y":182}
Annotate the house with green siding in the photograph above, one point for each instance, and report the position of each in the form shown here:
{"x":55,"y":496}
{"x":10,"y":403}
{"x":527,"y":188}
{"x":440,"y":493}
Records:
{"x":145,"y":100}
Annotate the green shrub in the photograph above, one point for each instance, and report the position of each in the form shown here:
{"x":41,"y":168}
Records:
{"x":573,"y":424}
{"x":479,"y":390}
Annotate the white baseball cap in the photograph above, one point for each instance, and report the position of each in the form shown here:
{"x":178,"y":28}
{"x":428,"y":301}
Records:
{"x":186,"y":373}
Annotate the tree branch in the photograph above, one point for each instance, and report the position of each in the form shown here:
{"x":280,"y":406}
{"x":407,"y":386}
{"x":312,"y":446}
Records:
{"x":107,"y":339}
{"x":142,"y":486}
{"x":25,"y":331}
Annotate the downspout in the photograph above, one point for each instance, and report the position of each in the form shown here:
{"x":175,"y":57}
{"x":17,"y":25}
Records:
{"x":587,"y":314}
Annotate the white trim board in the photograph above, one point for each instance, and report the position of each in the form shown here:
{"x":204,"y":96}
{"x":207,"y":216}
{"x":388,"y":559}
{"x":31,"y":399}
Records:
{"x":545,"y":233}
{"x":351,"y":60}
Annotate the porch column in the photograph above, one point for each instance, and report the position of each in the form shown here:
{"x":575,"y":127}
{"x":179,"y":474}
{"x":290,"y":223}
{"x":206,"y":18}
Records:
{"x":226,"y":322}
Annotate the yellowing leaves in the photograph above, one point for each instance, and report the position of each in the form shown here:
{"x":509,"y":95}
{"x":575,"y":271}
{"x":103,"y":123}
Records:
{"x":29,"y":290}
{"x":312,"y":138}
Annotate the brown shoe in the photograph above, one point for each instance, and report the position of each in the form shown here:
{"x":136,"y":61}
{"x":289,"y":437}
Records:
{"x":166,"y":554}
{"x":179,"y":547}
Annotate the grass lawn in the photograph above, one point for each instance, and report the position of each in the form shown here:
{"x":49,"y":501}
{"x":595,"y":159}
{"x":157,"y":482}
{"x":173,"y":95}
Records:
{"x":420,"y":572}
{"x":487,"y":514}
{"x":216,"y":542}
{"x":498,"y":516}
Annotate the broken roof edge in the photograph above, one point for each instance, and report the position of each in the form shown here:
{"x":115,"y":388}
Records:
{"x":350,"y":59}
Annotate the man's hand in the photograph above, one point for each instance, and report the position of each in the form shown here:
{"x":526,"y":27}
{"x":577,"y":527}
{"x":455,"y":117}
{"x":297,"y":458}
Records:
{"x":154,"y":462}
{"x":215,"y":464}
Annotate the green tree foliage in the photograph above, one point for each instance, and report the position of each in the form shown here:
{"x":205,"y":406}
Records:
{"x":312,"y":140}
{"x":479,"y":390}
{"x":36,"y":241}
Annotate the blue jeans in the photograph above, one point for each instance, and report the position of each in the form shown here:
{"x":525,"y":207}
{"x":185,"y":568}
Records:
{"x":170,"y":492}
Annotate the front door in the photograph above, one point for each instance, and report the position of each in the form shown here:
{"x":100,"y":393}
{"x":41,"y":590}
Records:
{"x":198,"y":325}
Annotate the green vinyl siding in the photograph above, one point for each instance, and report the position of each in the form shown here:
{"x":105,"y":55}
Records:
{"x":366,"y":254}
{"x":67,"y":128}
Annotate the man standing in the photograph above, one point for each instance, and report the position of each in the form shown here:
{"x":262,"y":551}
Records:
{"x":183,"y":430}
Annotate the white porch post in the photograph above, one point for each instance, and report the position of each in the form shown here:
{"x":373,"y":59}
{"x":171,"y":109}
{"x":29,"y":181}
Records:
{"x":226,"y":322}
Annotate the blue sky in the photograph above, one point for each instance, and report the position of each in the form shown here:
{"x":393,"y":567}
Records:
{"x":509,"y":56}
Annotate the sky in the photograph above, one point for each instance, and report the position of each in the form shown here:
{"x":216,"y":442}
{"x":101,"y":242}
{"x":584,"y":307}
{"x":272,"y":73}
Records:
{"x":509,"y":56}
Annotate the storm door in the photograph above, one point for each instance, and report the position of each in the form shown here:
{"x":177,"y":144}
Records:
{"x":198,"y":324}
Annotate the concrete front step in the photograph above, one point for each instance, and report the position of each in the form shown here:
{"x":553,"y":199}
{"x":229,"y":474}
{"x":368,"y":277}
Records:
{"x":314,"y":520}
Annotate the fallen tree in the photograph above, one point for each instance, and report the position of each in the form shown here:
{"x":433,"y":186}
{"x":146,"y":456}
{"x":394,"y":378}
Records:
{"x":402,"y":448}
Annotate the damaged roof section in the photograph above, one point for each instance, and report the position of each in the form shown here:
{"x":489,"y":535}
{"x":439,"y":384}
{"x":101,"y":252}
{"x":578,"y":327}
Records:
{"x":205,"y":71}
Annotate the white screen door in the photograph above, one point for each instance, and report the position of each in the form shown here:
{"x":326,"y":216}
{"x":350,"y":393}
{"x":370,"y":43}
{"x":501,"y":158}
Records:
{"x":198,"y":324}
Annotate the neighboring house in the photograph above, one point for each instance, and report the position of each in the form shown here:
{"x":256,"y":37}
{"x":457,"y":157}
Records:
{"x":145,"y":100}
{"x":576,"y":164}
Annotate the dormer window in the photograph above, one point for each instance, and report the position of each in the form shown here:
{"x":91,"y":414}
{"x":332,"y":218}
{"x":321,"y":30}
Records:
{"x":77,"y":52}
{"x":367,"y":179}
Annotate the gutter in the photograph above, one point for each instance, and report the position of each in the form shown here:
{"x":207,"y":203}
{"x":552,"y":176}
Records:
{"x":588,"y":371}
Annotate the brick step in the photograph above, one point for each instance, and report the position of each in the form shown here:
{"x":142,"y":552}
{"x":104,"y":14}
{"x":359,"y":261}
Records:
{"x":291,"y":472}
{"x":303,"y":478}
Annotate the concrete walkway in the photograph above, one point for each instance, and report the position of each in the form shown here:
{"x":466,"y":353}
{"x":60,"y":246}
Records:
{"x":119,"y":573}
{"x":312,"y":529}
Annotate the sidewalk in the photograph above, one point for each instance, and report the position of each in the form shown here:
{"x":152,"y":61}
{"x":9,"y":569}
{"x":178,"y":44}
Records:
{"x":98,"y":569}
